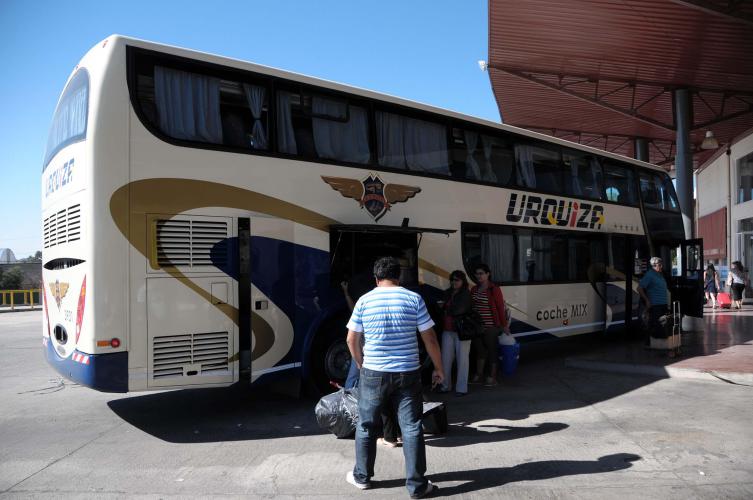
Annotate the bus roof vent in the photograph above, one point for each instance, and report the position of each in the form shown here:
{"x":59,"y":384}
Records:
{"x":191,"y":242}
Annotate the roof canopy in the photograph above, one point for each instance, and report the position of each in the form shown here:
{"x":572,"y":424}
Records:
{"x":602,"y":72}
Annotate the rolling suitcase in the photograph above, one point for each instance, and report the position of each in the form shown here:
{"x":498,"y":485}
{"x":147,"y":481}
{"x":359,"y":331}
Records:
{"x":724,"y":300}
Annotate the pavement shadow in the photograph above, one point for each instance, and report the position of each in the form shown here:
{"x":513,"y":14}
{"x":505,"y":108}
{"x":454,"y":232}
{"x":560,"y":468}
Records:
{"x":233,"y":413}
{"x":491,"y":477}
{"x":465,"y":435}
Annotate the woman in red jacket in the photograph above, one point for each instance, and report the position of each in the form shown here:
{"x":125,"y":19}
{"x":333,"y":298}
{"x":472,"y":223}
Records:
{"x":490,"y":304}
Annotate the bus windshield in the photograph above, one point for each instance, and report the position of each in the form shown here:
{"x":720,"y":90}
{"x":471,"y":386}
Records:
{"x":69,"y":121}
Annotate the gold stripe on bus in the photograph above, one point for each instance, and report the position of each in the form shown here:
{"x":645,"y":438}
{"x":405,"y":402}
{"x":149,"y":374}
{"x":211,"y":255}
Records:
{"x":175,"y":196}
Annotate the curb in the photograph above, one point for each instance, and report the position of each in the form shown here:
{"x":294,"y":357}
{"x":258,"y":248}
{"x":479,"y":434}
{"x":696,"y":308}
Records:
{"x":19,"y":309}
{"x":662,"y":371}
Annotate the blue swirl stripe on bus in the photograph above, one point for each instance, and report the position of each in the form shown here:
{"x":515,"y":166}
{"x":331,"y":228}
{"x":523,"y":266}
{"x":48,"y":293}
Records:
{"x":295,"y":278}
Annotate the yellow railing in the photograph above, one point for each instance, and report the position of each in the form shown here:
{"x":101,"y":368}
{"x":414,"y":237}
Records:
{"x":9,"y":298}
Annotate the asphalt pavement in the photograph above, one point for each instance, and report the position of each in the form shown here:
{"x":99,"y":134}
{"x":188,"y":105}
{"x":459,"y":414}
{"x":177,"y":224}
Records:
{"x":550,"y":431}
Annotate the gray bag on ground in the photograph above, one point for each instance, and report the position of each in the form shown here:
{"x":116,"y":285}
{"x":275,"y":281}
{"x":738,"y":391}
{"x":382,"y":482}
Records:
{"x":338,"y":412}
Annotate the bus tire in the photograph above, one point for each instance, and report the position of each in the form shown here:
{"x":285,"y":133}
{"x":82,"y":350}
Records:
{"x":330,"y":357}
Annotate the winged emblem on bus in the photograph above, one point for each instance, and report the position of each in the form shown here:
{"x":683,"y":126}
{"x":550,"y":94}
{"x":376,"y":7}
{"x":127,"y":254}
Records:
{"x":372,"y":193}
{"x":58,"y":290}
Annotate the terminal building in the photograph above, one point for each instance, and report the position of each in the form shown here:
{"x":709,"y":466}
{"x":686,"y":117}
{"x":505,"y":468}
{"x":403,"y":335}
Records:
{"x":663,"y":81}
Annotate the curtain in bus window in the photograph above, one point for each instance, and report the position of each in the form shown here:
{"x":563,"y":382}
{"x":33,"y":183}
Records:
{"x":285,"y":133}
{"x":471,"y":140}
{"x":411,"y":143}
{"x":488,"y":144}
{"x":426,"y":146}
{"x":585,"y":176}
{"x":524,"y":166}
{"x":255,"y":96}
{"x":340,"y":133}
{"x":188,"y":105}
{"x":390,"y":149}
{"x":498,"y":252}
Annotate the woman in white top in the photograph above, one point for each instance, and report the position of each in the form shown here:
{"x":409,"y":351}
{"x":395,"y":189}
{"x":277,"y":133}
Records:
{"x":736,"y":282}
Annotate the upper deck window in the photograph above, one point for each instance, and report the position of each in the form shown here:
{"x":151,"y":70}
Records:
{"x":583,"y":175}
{"x":657,"y":191}
{"x":539,"y":167}
{"x":319,"y":126}
{"x":619,"y":184}
{"x":70,"y":118}
{"x":481,"y":157}
{"x":412,"y":144}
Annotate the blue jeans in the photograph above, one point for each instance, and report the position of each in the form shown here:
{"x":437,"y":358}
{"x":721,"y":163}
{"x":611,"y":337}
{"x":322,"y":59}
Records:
{"x":402,"y":390}
{"x":352,"y":380}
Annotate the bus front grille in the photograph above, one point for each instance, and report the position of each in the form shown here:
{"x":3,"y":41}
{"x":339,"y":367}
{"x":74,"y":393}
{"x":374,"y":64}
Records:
{"x":191,"y":354}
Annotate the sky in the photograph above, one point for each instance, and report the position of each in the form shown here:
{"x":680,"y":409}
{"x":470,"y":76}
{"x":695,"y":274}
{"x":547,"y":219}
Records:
{"x":424,"y":50}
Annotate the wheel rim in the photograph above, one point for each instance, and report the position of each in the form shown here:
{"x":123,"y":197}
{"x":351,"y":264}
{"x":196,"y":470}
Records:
{"x":337,"y":361}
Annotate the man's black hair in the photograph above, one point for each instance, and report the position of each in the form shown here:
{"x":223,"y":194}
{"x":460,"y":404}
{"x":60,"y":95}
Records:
{"x":387,"y":268}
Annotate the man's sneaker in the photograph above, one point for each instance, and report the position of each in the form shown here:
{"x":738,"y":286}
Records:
{"x":352,"y":480}
{"x":431,"y":488}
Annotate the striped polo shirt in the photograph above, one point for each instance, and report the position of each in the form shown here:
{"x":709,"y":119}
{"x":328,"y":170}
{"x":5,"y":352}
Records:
{"x":388,"y":318}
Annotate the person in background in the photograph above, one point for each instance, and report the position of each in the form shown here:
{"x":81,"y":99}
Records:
{"x":489,"y":302}
{"x":387,"y":318}
{"x":736,"y":282}
{"x":653,"y":290}
{"x":457,"y":303}
{"x":711,"y":284}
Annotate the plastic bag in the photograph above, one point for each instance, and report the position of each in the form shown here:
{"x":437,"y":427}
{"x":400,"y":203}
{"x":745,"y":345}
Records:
{"x":338,"y":412}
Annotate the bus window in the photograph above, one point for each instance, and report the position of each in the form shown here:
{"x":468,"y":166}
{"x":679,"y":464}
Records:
{"x":481,"y":157}
{"x":539,"y":168}
{"x":583,"y":175}
{"x":494,"y":247}
{"x":317,"y":126}
{"x":411,"y":144}
{"x":245,"y":115}
{"x":619,"y":185}
{"x":657,"y":191}
{"x":70,"y":118}
{"x":542,"y":256}
{"x":188,"y":105}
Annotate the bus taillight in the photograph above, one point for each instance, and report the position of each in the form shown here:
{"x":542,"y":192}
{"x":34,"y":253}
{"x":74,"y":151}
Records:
{"x":80,"y":310}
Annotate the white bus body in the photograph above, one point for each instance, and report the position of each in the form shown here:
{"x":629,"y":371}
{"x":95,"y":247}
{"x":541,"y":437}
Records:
{"x":142,"y":232}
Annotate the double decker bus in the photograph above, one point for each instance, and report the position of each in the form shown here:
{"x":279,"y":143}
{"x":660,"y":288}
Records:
{"x":200,"y":212}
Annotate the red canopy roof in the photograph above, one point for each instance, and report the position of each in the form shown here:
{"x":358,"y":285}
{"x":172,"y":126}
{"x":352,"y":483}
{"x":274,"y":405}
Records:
{"x":601,"y":72}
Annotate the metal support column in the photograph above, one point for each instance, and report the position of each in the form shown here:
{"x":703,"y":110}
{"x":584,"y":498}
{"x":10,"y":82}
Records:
{"x":684,"y":159}
{"x":641,"y":149}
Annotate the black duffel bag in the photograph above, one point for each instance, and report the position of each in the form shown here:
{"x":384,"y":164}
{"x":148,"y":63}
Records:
{"x":338,"y":412}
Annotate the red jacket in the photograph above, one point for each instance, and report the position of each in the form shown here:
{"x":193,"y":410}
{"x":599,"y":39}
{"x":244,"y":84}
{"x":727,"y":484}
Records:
{"x":496,"y":303}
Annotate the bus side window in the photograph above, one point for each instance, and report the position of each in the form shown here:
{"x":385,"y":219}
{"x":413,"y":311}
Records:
{"x":583,"y":176}
{"x":481,"y":157}
{"x":619,"y":184}
{"x":412,"y":144}
{"x":538,"y":167}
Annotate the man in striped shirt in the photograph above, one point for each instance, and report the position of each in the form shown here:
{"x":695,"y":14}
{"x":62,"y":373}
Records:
{"x":388,"y":317}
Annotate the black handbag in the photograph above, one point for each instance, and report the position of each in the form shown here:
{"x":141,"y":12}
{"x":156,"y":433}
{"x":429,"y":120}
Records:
{"x":469,"y":326}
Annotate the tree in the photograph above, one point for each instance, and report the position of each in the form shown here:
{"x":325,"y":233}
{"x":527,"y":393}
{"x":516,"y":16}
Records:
{"x":37,"y":257}
{"x":12,"y":279}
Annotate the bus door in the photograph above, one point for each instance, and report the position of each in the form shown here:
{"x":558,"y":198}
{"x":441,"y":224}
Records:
{"x":628,"y":262}
{"x":688,"y":284}
{"x":683,"y":265}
